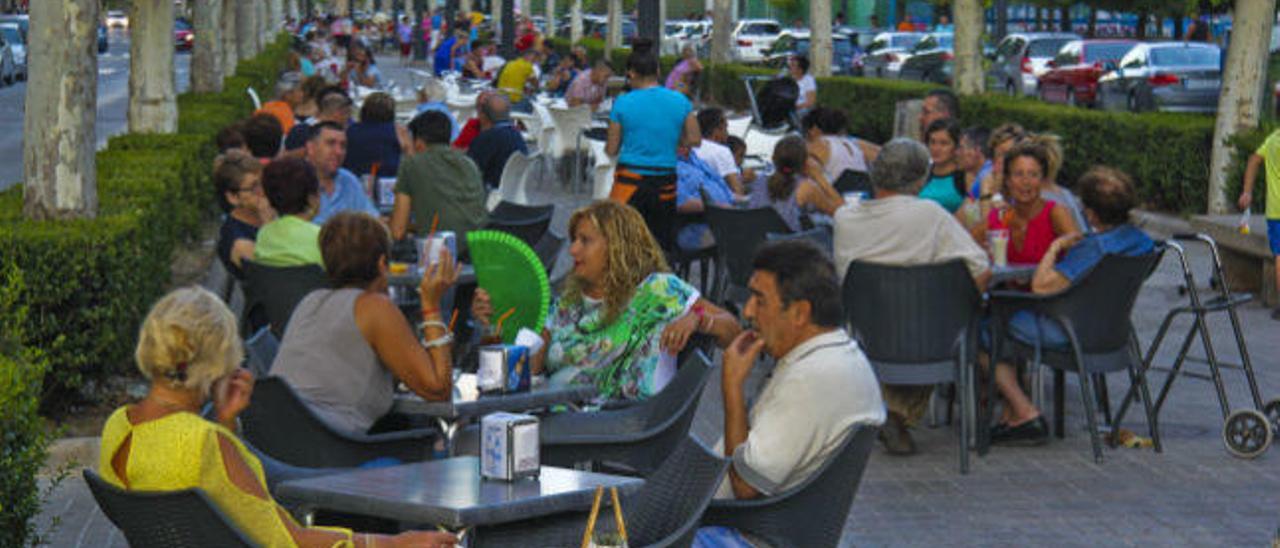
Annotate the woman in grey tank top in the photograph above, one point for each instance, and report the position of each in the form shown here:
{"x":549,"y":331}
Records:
{"x":345,"y":347}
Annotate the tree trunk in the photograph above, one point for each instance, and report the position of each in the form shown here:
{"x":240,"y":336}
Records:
{"x":820,"y":37}
{"x":575,"y":22}
{"x":1002,"y":19}
{"x":230,"y":36}
{"x":900,"y":12}
{"x":263,"y":21}
{"x":1064,"y":17}
{"x":294,"y":14}
{"x":466,"y":7}
{"x":613,"y":38}
{"x":649,"y":22}
{"x":969,"y":79}
{"x":721,"y":20}
{"x":206,"y":54}
{"x":508,"y":20}
{"x":152,"y":104}
{"x":246,"y":29}
{"x":341,"y":7}
{"x":1238,"y":107}
{"x":551,"y":19}
{"x":1141,"y":32}
{"x":496,"y":22}
{"x":1093,"y":22}
{"x":58,"y":124}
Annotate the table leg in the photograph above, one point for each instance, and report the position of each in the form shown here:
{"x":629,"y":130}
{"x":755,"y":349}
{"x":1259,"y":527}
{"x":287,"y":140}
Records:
{"x":449,"y":429}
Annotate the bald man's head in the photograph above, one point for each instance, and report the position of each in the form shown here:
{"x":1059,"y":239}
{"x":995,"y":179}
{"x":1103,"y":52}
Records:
{"x":496,"y":108}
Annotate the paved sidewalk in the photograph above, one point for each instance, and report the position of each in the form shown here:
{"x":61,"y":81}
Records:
{"x":1192,"y":494}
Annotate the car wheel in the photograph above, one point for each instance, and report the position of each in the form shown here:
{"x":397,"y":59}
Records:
{"x":1132,"y":102}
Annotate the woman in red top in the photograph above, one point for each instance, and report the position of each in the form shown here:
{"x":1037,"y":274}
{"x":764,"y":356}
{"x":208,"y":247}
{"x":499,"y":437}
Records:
{"x":1033,"y":222}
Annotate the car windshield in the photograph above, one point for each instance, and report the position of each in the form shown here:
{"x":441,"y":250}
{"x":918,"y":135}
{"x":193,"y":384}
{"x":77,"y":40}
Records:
{"x":11,"y":35}
{"x":905,"y":40}
{"x":1105,"y":52}
{"x":761,"y":28}
{"x":1047,"y":47}
{"x":1198,"y":57}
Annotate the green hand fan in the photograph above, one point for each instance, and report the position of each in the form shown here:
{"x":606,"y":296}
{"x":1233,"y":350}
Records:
{"x":513,"y":275}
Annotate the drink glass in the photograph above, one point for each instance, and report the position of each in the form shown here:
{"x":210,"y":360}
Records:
{"x":999,"y":243}
{"x":429,"y":249}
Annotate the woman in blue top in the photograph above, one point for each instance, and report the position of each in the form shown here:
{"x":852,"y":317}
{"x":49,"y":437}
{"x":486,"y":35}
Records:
{"x":377,"y":138}
{"x":946,"y":179}
{"x":645,"y":127}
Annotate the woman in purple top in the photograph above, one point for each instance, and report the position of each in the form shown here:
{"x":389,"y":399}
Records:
{"x":685,"y":72}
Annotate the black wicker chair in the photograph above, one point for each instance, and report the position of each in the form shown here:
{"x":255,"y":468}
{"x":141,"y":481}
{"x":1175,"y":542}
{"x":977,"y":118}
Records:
{"x":810,"y":514}
{"x":184,"y":518}
{"x":639,"y":436}
{"x":1094,"y":313}
{"x":664,"y":512}
{"x":739,"y":232}
{"x":917,"y":326}
{"x":261,"y":350}
{"x":853,"y":181}
{"x":278,"y":290}
{"x":280,"y":425}
{"x":524,"y":222}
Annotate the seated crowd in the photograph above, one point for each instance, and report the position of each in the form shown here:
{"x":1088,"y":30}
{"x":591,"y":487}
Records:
{"x":291,"y":186}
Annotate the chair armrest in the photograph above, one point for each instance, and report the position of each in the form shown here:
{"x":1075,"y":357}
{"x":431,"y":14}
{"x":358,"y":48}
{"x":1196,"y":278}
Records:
{"x":589,"y":428}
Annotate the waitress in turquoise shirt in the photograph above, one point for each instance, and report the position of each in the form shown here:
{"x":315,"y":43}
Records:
{"x":946,"y":179}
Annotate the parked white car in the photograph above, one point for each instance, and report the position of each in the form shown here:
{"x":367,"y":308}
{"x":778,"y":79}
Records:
{"x":11,"y":34}
{"x":117,"y":18}
{"x":753,"y":37}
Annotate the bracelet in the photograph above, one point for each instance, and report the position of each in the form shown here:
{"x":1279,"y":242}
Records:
{"x":438,"y":341}
{"x":434,"y":323}
{"x":429,"y":311}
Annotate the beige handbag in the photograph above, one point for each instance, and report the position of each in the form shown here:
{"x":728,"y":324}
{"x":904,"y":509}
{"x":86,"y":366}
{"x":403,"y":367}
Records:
{"x":610,"y":540}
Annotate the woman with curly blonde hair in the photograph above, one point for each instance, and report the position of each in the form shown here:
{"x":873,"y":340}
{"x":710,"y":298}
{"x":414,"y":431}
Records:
{"x":623,"y":316}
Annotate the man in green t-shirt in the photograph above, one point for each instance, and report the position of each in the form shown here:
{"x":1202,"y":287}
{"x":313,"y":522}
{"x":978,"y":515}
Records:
{"x":1270,"y":153}
{"x":438,"y":181}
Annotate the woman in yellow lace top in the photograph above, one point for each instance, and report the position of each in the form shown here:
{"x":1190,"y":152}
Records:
{"x":189,"y":349}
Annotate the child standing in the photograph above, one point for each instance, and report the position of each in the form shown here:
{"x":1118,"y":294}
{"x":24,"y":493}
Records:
{"x":1270,"y":153}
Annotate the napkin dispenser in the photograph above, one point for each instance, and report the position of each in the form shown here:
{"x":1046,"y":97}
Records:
{"x":503,"y":368}
{"x":508,"y":446}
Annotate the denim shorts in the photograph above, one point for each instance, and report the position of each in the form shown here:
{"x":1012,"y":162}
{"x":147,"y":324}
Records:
{"x":1027,"y":327}
{"x":1273,"y":235}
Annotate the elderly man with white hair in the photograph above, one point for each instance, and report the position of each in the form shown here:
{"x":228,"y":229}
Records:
{"x":900,"y":228}
{"x":431,"y":96}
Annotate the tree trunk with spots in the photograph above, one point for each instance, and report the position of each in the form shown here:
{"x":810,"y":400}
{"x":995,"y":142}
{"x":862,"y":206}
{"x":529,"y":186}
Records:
{"x":721,"y":31}
{"x":613,"y":36}
{"x":246,"y":29}
{"x":153,"y":107}
{"x":206,"y":54}
{"x":575,"y":22}
{"x":60,"y":179}
{"x":551,"y":19}
{"x":230,"y":36}
{"x":1238,"y":104}
{"x":969,"y":79}
{"x":820,"y":38}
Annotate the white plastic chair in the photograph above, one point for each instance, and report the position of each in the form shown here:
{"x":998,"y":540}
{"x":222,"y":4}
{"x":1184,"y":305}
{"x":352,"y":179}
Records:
{"x":511,"y":187}
{"x":760,"y":143}
{"x":601,"y":171}
{"x":739,"y":126}
{"x":546,"y":136}
{"x":253,"y":95}
{"x":568,"y":122}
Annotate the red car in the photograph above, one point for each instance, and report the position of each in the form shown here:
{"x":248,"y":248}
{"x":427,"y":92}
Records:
{"x":183,"y":38}
{"x":1073,"y":73}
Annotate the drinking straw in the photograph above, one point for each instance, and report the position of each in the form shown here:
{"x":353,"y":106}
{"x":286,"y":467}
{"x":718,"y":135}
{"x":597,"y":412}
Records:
{"x":503,"y":318}
{"x":453,"y":319}
{"x":435,"y":222}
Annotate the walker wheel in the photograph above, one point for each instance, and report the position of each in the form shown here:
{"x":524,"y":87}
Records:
{"x":1272,"y":411}
{"x":1247,"y":433}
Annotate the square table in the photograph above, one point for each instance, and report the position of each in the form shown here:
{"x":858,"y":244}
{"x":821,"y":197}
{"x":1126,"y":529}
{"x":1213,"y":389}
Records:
{"x":413,"y":404}
{"x":449,"y":492}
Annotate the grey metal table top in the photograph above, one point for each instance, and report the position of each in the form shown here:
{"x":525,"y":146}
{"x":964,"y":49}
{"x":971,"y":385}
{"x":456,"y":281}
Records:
{"x":450,"y":492}
{"x":412,"y":404}
{"x":1012,"y":273}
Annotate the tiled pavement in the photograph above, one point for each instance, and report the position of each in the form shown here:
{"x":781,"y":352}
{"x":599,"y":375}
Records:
{"x":1192,"y":494}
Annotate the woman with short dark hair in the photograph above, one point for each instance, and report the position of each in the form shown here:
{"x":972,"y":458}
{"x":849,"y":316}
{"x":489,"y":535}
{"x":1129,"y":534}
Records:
{"x":345,"y":347}
{"x":238,"y":179}
{"x":377,"y":138}
{"x":293,"y":189}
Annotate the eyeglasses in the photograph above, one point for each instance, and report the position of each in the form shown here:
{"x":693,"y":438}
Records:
{"x":256,"y":187}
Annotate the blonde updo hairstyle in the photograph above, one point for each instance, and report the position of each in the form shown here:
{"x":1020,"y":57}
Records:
{"x":190,"y":339}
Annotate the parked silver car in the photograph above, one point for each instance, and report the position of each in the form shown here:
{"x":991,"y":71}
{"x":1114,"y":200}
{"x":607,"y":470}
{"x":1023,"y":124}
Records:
{"x":1167,"y":76}
{"x":1021,"y":58}
{"x":885,"y":55}
{"x":11,"y":33}
{"x":8,"y":68}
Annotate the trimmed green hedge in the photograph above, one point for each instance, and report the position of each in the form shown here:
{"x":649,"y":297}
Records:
{"x":89,"y":282}
{"x":23,"y":442}
{"x":1167,"y":154}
